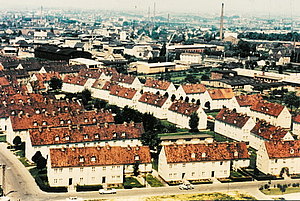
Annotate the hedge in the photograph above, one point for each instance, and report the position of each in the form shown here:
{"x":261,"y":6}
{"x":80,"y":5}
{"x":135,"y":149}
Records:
{"x":88,"y":188}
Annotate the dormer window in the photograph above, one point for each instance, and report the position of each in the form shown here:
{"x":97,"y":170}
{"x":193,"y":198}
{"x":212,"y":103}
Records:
{"x":67,"y":138}
{"x":44,"y":123}
{"x":62,"y":122}
{"x":123,"y":134}
{"x":136,"y":157}
{"x":12,"y":101}
{"x":96,"y":136}
{"x":66,"y":108}
{"x":43,"y":110}
{"x":56,"y":138}
{"x":86,"y":136}
{"x":292,"y":151}
{"x":115,"y":135}
{"x":94,"y":120}
{"x":35,"y":123}
{"x":234,"y":121}
{"x":13,"y":112}
{"x":86,"y":120}
{"x":69,"y":121}
{"x":236,"y":154}
{"x":203,"y":155}
{"x":193,"y":155}
{"x":93,"y":158}
{"x":81,"y":159}
{"x":37,"y":111}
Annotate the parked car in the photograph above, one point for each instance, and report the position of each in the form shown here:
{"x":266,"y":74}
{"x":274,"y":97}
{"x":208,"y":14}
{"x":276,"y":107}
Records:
{"x":74,"y":199}
{"x":108,"y":191}
{"x":186,"y":187}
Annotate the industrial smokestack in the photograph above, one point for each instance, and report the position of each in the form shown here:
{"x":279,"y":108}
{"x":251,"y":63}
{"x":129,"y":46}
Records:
{"x":222,"y":22}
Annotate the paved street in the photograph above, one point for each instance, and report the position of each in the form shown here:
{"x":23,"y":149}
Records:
{"x":21,"y":186}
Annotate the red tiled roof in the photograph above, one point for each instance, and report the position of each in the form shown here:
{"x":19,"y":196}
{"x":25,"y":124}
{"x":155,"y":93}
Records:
{"x":4,"y":81}
{"x":183,"y":107}
{"x":153,"y":99}
{"x":268,"y":131}
{"x":123,"y":92}
{"x":268,"y":108}
{"x":216,"y":94}
{"x":194,"y":88}
{"x":157,"y":84}
{"x":103,"y":156}
{"x":48,"y":136}
{"x":60,"y":119}
{"x":297,"y":118}
{"x":72,"y":79}
{"x":123,"y":78}
{"x":89,"y":73}
{"x":248,"y":100}
{"x":283,"y":149}
{"x":107,"y":86}
{"x":46,"y":77}
{"x":206,"y":152}
{"x":233,"y":118}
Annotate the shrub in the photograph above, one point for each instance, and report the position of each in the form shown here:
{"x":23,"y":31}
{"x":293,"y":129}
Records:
{"x":88,"y":188}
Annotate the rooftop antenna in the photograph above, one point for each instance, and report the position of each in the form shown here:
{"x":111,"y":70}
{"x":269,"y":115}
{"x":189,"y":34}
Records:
{"x":169,"y":19}
{"x":222,"y":22}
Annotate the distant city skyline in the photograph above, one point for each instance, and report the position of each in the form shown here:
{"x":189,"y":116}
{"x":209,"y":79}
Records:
{"x":232,"y":7}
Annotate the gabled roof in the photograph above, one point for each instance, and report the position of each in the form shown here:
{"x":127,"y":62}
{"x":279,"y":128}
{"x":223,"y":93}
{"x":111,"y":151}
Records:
{"x":217,"y":94}
{"x":194,"y":88}
{"x":46,"y":77}
{"x":153,"y":99}
{"x":232,"y":117}
{"x":25,"y":122}
{"x":65,"y":135}
{"x":123,"y":92}
{"x":217,"y":151}
{"x":248,"y":100}
{"x":76,"y":80}
{"x":268,"y":108}
{"x":89,"y":73}
{"x":4,"y":81}
{"x":157,"y":84}
{"x":268,"y":131}
{"x":122,"y":78}
{"x":183,"y":107}
{"x":283,"y":149}
{"x":297,"y":118}
{"x":102,"y":156}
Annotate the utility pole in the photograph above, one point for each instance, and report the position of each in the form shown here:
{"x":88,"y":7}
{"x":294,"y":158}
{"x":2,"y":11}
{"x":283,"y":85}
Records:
{"x":154,"y":7}
{"x":222,"y":22}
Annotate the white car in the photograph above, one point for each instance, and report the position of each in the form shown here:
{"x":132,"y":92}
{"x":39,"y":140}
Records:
{"x":186,"y":187}
{"x":108,"y":191}
{"x":74,"y":199}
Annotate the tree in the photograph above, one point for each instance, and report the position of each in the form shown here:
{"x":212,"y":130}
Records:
{"x":86,"y":96}
{"x":191,"y":79}
{"x":17,"y":140}
{"x":36,"y":156}
{"x":194,"y":122}
{"x":204,"y":77}
{"x":136,"y":170}
{"x":198,"y":102}
{"x":292,"y":100}
{"x":207,"y":105}
{"x":41,"y":163}
{"x":150,"y":138}
{"x":100,"y":104}
{"x":55,"y":83}
{"x":187,"y":99}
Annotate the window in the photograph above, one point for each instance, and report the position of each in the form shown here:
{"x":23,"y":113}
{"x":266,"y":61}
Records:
{"x":225,"y":171}
{"x":62,"y":122}
{"x":81,"y":159}
{"x":118,"y":167}
{"x":81,"y":180}
{"x":57,"y":138}
{"x":96,"y":135}
{"x":60,"y":169}
{"x":93,"y":169}
{"x":103,"y":168}
{"x":55,"y":181}
{"x":193,"y":174}
{"x":170,"y":175}
{"x":86,"y":136}
{"x":221,"y":163}
{"x":113,"y":177}
{"x":85,"y":120}
{"x":60,"y":181}
{"x":93,"y":178}
{"x":203,"y":173}
{"x":55,"y":170}
{"x":69,"y":121}
{"x":276,"y":160}
{"x":183,"y":165}
{"x":93,"y":158}
{"x":44,"y":123}
{"x":170,"y":166}
{"x":67,"y":138}
{"x":35,"y":123}
{"x":118,"y":177}
{"x":81,"y":169}
{"x":70,"y":169}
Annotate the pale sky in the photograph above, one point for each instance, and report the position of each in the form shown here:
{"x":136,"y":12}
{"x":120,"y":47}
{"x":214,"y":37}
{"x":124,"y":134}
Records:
{"x":284,"y":8}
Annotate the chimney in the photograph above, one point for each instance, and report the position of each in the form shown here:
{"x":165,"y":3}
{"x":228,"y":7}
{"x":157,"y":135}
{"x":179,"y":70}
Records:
{"x":222,"y":22}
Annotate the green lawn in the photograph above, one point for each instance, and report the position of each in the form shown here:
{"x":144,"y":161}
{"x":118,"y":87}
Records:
{"x":153,"y":181}
{"x":276,"y":191}
{"x":131,"y":182}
